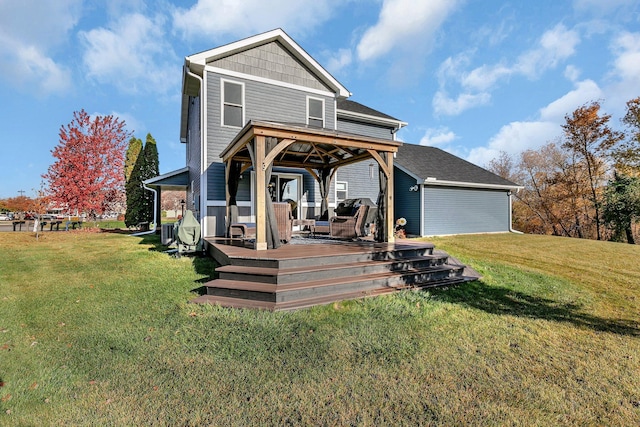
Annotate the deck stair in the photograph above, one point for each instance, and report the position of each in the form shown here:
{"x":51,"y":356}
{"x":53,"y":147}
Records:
{"x":305,"y":275}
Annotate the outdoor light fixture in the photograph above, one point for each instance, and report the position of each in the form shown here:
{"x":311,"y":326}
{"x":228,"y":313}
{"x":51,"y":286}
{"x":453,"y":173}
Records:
{"x":414,"y":188}
{"x":371,"y":170}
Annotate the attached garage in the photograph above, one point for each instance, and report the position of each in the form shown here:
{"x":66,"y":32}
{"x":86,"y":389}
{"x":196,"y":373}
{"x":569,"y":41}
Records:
{"x":439,"y":194}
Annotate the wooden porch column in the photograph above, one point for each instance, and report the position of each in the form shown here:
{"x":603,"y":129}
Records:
{"x":260,"y":196}
{"x":390,"y":212}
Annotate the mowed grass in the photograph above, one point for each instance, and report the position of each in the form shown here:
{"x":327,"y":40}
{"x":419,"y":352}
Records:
{"x":96,"y":329}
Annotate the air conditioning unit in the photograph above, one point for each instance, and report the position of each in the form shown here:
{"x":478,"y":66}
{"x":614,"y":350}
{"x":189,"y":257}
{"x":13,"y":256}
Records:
{"x":166,"y":234}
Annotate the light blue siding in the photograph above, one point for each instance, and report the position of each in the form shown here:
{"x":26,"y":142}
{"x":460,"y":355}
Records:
{"x":452,"y":210}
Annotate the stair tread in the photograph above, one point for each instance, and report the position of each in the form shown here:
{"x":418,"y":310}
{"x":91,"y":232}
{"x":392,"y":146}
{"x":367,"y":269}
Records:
{"x":270,"y":287}
{"x":272,"y":271}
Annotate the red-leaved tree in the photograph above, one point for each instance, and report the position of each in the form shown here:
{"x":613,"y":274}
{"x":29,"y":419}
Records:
{"x":88,"y":174}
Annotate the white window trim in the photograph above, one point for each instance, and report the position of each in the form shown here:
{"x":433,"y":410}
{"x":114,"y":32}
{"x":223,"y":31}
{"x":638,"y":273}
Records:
{"x":222,"y":103}
{"x":324,"y":113}
{"x":346,"y":190}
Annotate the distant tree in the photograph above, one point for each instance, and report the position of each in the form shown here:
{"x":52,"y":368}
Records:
{"x":133,"y":151}
{"x":173,"y":201}
{"x":622,"y":206}
{"x":627,"y":156}
{"x":588,"y":135}
{"x":88,"y":174}
{"x":18,"y":204}
{"x":139,"y":200}
{"x":503,"y":166}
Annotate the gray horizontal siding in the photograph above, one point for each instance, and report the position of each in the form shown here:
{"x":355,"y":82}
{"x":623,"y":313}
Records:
{"x":365,"y":129}
{"x":451,"y":210}
{"x":262,"y":102}
{"x":361,"y":183}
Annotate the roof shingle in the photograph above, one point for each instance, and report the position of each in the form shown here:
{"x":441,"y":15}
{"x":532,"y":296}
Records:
{"x":424,"y":162}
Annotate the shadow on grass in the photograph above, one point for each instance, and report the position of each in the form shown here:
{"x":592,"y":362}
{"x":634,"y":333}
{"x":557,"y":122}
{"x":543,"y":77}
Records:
{"x":499,"y":300}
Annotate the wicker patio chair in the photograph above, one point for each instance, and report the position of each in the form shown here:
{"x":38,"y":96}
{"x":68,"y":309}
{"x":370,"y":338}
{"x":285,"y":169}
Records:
{"x":284,"y":220}
{"x":349,"y":226}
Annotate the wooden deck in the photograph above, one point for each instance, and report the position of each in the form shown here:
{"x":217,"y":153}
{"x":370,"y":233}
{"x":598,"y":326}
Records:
{"x":319,"y":271}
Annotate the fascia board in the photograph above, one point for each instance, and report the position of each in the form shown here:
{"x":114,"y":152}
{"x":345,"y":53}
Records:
{"x":408,"y":172}
{"x":439,"y":183}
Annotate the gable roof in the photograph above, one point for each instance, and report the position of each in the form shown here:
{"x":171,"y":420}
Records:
{"x":354,"y":110}
{"x":433,"y":166}
{"x":198,"y":61}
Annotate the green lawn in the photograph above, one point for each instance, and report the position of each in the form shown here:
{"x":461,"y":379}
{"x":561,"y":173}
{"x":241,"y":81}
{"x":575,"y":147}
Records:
{"x":96,"y":329}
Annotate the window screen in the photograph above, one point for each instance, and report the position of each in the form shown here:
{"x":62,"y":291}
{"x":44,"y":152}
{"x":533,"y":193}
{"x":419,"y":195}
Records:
{"x":316,"y":112}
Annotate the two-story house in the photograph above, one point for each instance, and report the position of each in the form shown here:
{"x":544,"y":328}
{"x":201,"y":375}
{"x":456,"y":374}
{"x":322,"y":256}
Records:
{"x":269,"y":79}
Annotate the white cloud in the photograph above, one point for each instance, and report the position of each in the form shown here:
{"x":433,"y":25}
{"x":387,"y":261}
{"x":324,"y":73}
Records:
{"x":585,"y":91}
{"x":443,"y":104}
{"x":213,"y":18}
{"x":519,"y":136}
{"x":555,"y":46}
{"x":404,"y":23}
{"x":438,"y":137}
{"x":485,"y":77}
{"x":338,"y":61}
{"x":572,"y":73}
{"x":128,"y":54}
{"x":623,"y":81}
{"x":627,"y":62}
{"x":30,"y":33}
{"x":514,"y":138}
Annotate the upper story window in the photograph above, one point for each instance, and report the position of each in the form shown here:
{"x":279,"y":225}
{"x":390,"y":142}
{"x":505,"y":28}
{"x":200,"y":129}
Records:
{"x":232,"y":104}
{"x":315,"y":112}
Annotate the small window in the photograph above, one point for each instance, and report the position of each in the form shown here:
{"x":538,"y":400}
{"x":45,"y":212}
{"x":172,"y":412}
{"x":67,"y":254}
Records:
{"x":232,"y":109}
{"x":315,"y":116}
{"x":341,"y":191}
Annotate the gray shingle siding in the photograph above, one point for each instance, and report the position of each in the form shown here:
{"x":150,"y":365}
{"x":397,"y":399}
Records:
{"x":406,"y":203}
{"x":453,"y":210}
{"x":273,"y":62}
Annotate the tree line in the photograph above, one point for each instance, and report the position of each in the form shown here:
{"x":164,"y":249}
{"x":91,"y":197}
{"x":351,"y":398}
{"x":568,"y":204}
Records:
{"x":584,"y":184}
{"x":92,"y":173}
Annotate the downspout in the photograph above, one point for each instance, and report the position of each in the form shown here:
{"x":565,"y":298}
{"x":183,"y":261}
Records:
{"x":511,"y":229}
{"x":155,"y":213}
{"x":203,"y":155}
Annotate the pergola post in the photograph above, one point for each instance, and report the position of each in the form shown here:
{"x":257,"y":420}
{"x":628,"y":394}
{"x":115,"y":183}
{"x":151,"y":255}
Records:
{"x":261,"y":191}
{"x":390,"y":214}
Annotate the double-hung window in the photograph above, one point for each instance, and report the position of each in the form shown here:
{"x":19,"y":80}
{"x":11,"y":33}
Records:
{"x":315,"y":112}
{"x":342,"y":190}
{"x":232,"y":104}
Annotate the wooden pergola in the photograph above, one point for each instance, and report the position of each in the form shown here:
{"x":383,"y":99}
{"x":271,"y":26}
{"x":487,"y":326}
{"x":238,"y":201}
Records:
{"x":263,"y":145}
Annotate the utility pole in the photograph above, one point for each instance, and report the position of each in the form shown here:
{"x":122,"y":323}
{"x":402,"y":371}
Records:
{"x":21,"y":192}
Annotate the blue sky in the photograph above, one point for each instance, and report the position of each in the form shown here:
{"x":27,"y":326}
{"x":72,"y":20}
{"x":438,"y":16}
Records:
{"x":471,"y":77}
